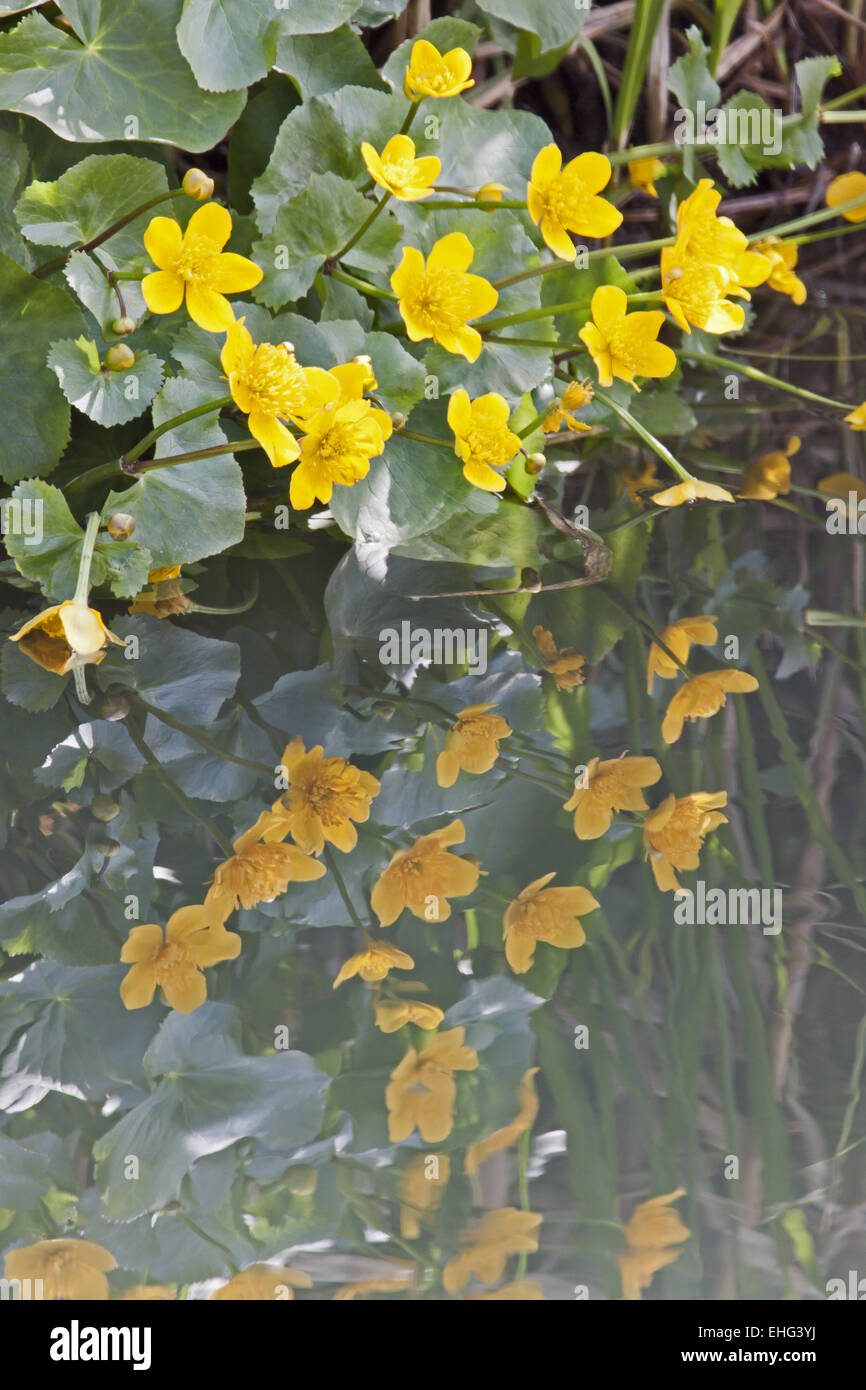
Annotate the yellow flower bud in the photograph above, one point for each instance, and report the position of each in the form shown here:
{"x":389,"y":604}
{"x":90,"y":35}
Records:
{"x":119,"y":357}
{"x":120,"y":526}
{"x":490,"y":193}
{"x":123,"y":326}
{"x":196,"y":184}
{"x":535,"y":463}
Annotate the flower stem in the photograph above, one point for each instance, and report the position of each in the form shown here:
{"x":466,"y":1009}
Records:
{"x":656,"y":445}
{"x":82,"y":587}
{"x":121,"y":465}
{"x":810,"y":219}
{"x":174,"y":790}
{"x":756,"y":375}
{"x":383,"y":201}
{"x":59,"y":261}
{"x":363,"y":285}
{"x":331,"y":861}
{"x":424,"y":438}
{"x":197,"y":737}
{"x":629,"y":248}
{"x":546,"y":310}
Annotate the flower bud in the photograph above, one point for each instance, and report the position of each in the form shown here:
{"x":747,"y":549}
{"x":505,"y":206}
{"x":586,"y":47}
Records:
{"x":108,"y":847}
{"x":114,"y":707}
{"x":120,"y":526}
{"x":119,"y":357}
{"x":196,"y":184}
{"x":490,"y":193}
{"x":123,"y":326}
{"x":535,"y":463}
{"x":302,"y":1180}
{"x":104,"y":808}
{"x":398,"y":420}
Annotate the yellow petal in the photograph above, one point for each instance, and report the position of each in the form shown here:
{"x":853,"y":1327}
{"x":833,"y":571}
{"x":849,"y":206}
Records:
{"x":163,"y":291}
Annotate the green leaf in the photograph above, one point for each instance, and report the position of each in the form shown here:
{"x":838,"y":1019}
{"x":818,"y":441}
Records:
{"x":35,"y":415}
{"x":803,"y":143}
{"x":230,"y":45}
{"x":23,"y":1176}
{"x":508,"y":537}
{"x":14,"y":165}
{"x":109,"y":398}
{"x":177,"y":670}
{"x":117,"y":76}
{"x":88,"y":199}
{"x":555,"y":22}
{"x":317,"y":67}
{"x":311,"y":227}
{"x":663,"y":413}
{"x":89,"y":283}
{"x":53,"y":560}
{"x":812,"y":76}
{"x":25,"y":684}
{"x":691,"y":81}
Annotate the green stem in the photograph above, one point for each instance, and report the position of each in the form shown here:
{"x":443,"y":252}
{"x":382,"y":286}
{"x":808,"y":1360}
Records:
{"x":197,"y":737}
{"x":755,"y":374}
{"x":121,"y":464}
{"x":424,"y":438}
{"x":363,"y":285}
{"x":630,"y":248}
{"x":331,"y":861}
{"x":82,"y":587}
{"x":810,"y":219}
{"x":353,"y":241}
{"x":230,"y":447}
{"x":546,"y":310}
{"x":841,"y":117}
{"x":174,"y":790}
{"x":60,"y":261}
{"x":656,"y":445}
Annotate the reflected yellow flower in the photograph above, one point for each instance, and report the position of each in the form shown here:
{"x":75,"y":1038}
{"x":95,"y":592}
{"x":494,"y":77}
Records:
{"x":564,"y":200}
{"x":471,"y":744}
{"x":623,"y":344}
{"x":423,"y":878}
{"x":396,"y":1278}
{"x":840,"y":484}
{"x":642,"y":174}
{"x":565,"y":665}
{"x":193,"y":263}
{"x":165,"y":598}
{"x":437,"y":298}
{"x":691,"y":491}
{"x":633,"y":481}
{"x":770,"y":475}
{"x":68,"y":1268}
{"x":64,"y":637}
{"x":679,"y":637}
{"x":637,"y":1267}
{"x":491,"y":1240}
{"x":434,"y":74}
{"x":261,"y":1283}
{"x":374,"y":963}
{"x":257,"y":873}
{"x":397,"y":169}
{"x":575,"y":395}
{"x":323,"y":798}
{"x":424,"y":1181}
{"x":422,"y":1091}
{"x":674,"y":833}
{"x":482,"y":438}
{"x":392,"y":1014}
{"x":701,"y":697}
{"x":843,"y":189}
{"x":609,"y":786}
{"x":782,"y":256}
{"x":174,"y":962}
{"x":148,"y":1293}
{"x":509,"y":1135}
{"x":654,"y":1233}
{"x":521,"y":1291}
{"x":546,"y":914}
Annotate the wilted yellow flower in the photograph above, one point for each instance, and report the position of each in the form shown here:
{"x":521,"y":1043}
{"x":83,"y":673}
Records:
{"x":840,"y":484}
{"x":471,"y":744}
{"x":674,"y":832}
{"x":423,"y":878}
{"x":323,"y":798}
{"x":623,"y":344}
{"x":653,"y":1232}
{"x":845,"y":187}
{"x":690,"y":492}
{"x":633,"y":481}
{"x":565,"y":200}
{"x":521,"y":1291}
{"x":505,"y":1138}
{"x":68,"y":1268}
{"x":434,"y":74}
{"x":174,"y":962}
{"x":703,"y":696}
{"x":546,"y":914}
{"x":678,"y":637}
{"x":374,"y":962}
{"x":340,"y":439}
{"x":397,"y":170}
{"x":395,"y":1278}
{"x":612,"y":785}
{"x":482,"y":438}
{"x":194,"y":263}
{"x":642,"y":174}
{"x":782,"y":256}
{"x":258,"y":873}
{"x":424,"y":1181}
{"x":575,"y":395}
{"x":438,"y":298}
{"x":66,"y":636}
{"x":422,"y":1090}
{"x":147,"y":1293}
{"x":491,"y":1240}
{"x":269,"y":386}
{"x":565,"y":665}
{"x":770,"y":475}
{"x":261,"y":1283}
{"x":857,"y":418}
{"x":392,"y":1014}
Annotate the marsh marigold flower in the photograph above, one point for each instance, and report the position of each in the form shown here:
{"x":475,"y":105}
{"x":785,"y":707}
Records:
{"x":374,"y":963}
{"x":623,"y":344}
{"x":612,"y":785}
{"x":674,"y":832}
{"x":425,"y":1178}
{"x":66,"y":636}
{"x":692,"y":490}
{"x":770,"y":475}
{"x":392,"y":1014}
{"x":260,"y":1283}
{"x":193,"y":263}
{"x":695,"y":292}
{"x":323,"y":798}
{"x":841,"y":484}
{"x":706,"y":238}
{"x":423,"y":878}
{"x":340,"y":439}
{"x":490,"y":1241}
{"x":422,"y":1091}
{"x":678,"y":637}
{"x":269,"y":386}
{"x":508,"y":1136}
{"x":782,"y":256}
{"x":482,"y":438}
{"x":148,"y":1293}
{"x":566,"y":200}
{"x":434,"y":74}
{"x":471,"y":744}
{"x":546,"y":914}
{"x":397,"y":169}
{"x":703,"y":696}
{"x":257,"y":873}
{"x":68,"y":1268}
{"x":843,"y":189}
{"x":565,"y":664}
{"x":575,"y":395}
{"x":164,"y":597}
{"x":437,"y":298}
{"x":174,"y":961}
{"x":635,"y":481}
{"x":857,"y":418}
{"x":520,"y":1291}
{"x":654,"y":1234}
{"x":642,"y":174}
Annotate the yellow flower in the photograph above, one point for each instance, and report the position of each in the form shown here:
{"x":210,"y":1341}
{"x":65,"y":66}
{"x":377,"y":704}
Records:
{"x":565,"y":200}
{"x":770,"y":475}
{"x":421,"y":1191}
{"x":374,"y":963}
{"x":633,"y":481}
{"x":147,"y":1293}
{"x":174,"y":962}
{"x":323,"y":798}
{"x":637,"y":1267}
{"x":654,"y":1223}
{"x":423,"y":877}
{"x":67,"y":1268}
{"x":392,"y":1014}
{"x":66,"y":636}
{"x":843,"y":189}
{"x":642,"y":174}
{"x":261,"y":1283}
{"x":196,"y":184}
{"x":422,"y":1090}
{"x":194,"y":263}
{"x":505,"y":1138}
{"x":471,"y":744}
{"x":482,"y":438}
{"x":782,"y":256}
{"x":565,"y":665}
{"x":257,"y":873}
{"x":397,"y":169}
{"x":269,"y":386}
{"x":341,"y":438}
{"x":491,"y":1240}
{"x":623,"y":344}
{"x":613,"y":785}
{"x":575,"y":395}
{"x":546,"y":914}
{"x":437,"y":299}
{"x":434,"y":74}
{"x":694,"y":292}
{"x":840,"y":484}
{"x":857,"y":418}
{"x":690,"y":492}
{"x":678,"y":637}
{"x":706,"y":238}
{"x":396,"y":1278}
{"x":701,"y":697}
{"x":521,"y":1291}
{"x":674,"y":832}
